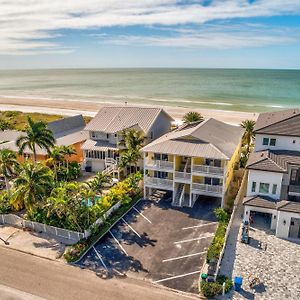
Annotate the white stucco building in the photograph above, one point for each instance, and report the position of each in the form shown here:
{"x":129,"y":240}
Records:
{"x":274,"y":172}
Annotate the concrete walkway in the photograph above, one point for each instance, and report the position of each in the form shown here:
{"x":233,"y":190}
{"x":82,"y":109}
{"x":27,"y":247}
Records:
{"x":39,"y":244}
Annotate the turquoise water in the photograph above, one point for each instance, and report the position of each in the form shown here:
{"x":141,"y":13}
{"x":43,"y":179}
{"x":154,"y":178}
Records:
{"x":226,"y":89}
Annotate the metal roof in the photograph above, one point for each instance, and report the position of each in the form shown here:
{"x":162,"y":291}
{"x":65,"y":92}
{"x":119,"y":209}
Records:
{"x":9,"y":135}
{"x":273,"y":160}
{"x":98,"y":145}
{"x":211,"y":139}
{"x":284,"y":122}
{"x":113,"y":119}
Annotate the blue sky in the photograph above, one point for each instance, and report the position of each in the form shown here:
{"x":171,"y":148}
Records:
{"x":150,"y":33}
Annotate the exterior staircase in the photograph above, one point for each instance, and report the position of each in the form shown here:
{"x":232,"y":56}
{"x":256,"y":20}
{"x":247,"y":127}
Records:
{"x":178,"y":195}
{"x":111,"y":166}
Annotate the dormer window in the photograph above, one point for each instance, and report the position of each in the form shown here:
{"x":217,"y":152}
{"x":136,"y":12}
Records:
{"x":272,"y":142}
{"x":269,"y":142}
{"x":266,"y":141}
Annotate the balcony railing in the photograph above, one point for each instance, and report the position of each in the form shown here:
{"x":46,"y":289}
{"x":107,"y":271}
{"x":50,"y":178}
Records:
{"x":294,"y":189}
{"x":207,"y":169}
{"x":159,"y":182}
{"x":200,"y":187}
{"x":160,"y":164}
{"x":183,"y":176}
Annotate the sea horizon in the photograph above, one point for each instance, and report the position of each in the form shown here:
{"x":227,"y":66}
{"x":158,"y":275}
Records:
{"x":234,"y":89}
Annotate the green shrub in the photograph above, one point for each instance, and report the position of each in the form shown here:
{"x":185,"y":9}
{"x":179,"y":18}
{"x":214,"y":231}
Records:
{"x":212,"y":289}
{"x":221,"y":214}
{"x":4,"y":203}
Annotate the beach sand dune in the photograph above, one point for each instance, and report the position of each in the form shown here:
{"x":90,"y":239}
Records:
{"x":68,"y":107}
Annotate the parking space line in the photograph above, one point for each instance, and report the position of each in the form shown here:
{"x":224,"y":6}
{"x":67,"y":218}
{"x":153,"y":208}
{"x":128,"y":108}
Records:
{"x":99,"y":256}
{"x":142,"y":215}
{"x":118,"y":243}
{"x":184,"y":256}
{"x":131,"y":228}
{"x":177,"y":276}
{"x":198,"y":226}
{"x":195,"y":239}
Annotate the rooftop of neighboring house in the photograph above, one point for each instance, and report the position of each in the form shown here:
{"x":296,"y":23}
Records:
{"x":283,"y":122}
{"x":273,"y":160}
{"x":67,"y":131}
{"x":270,"y":203}
{"x":112,"y":119}
{"x":210,"y":139}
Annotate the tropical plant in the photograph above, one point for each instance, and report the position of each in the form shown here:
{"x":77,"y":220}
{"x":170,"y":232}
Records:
{"x":56,"y":157}
{"x":128,"y":158}
{"x":134,"y":139}
{"x":4,"y":203}
{"x":5,"y":124}
{"x":32,"y":185}
{"x":36,"y":134}
{"x":192,"y":116}
{"x":98,"y":182}
{"x":68,"y":152}
{"x":248,"y":136}
{"x":8,"y":164}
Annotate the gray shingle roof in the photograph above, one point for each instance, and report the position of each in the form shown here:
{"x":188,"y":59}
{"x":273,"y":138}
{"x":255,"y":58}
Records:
{"x":114,"y":119}
{"x":273,"y":160}
{"x":66,"y":124}
{"x":211,"y":139}
{"x":267,"y":202}
{"x":285,"y":122}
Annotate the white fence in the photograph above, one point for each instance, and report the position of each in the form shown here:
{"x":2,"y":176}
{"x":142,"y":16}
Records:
{"x":74,"y":236}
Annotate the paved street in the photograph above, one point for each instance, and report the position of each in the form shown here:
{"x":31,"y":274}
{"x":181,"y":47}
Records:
{"x":276,"y":262}
{"x":22,"y":273}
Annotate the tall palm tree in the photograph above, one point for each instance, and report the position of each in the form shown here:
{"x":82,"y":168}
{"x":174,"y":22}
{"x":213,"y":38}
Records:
{"x":98,"y":182}
{"x":8,"y":164}
{"x":134,"y":139}
{"x":68,"y":152}
{"x":130,"y":157}
{"x":36,"y":134}
{"x":56,"y":157}
{"x":248,"y":136}
{"x":32,"y":185}
{"x":191,"y":117}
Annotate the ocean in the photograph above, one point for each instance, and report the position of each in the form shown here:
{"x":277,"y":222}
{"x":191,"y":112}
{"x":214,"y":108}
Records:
{"x":247,"y":90}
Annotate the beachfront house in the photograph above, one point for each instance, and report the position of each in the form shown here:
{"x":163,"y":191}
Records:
{"x":274,"y":172}
{"x":106,"y":134}
{"x":194,"y":160}
{"x":67,"y":132}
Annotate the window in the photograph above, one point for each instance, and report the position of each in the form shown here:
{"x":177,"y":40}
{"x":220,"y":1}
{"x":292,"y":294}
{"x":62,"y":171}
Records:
{"x":264,"y":188}
{"x":274,"y":189}
{"x":253,"y":188}
{"x":116,"y":135}
{"x":294,"y":141}
{"x":164,"y":157}
{"x":272,"y":142}
{"x":215,"y":181}
{"x":266,"y":141}
{"x":151,"y":135}
{"x":208,"y":180}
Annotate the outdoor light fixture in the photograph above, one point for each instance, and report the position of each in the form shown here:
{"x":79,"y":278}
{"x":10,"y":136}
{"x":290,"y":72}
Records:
{"x":284,"y":222}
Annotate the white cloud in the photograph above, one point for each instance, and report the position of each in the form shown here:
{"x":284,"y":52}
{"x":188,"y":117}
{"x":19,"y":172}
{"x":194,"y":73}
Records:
{"x":27,"y":25}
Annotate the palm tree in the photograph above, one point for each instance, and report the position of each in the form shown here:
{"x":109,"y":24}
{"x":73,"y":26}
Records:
{"x":191,"y":117}
{"x":32,"y":185}
{"x":98,"y":182}
{"x":8,"y":164}
{"x":37,"y":134}
{"x":130,"y":157}
{"x":56,"y":156}
{"x":68,"y":152}
{"x":248,"y":136}
{"x":134,"y":139}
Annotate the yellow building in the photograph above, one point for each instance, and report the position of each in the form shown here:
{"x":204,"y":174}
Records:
{"x":194,"y":160}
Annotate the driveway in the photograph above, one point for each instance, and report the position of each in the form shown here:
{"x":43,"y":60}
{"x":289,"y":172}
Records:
{"x":159,"y":243}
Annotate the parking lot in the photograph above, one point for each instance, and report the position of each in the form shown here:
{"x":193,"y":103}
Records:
{"x":158,"y":242}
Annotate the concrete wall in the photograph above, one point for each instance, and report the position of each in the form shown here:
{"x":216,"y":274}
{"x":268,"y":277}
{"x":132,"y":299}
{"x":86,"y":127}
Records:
{"x":264,"y":177}
{"x":282,"y":142}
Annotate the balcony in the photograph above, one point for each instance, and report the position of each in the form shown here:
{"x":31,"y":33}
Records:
{"x":183,"y":177}
{"x":211,"y":170}
{"x":158,"y":183}
{"x":160,"y":165}
{"x":200,"y":188}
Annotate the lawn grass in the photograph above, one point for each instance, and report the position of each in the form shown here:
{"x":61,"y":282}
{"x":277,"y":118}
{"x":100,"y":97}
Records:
{"x":17,"y":120}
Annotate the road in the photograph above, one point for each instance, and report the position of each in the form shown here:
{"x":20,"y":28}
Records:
{"x":24,"y":276}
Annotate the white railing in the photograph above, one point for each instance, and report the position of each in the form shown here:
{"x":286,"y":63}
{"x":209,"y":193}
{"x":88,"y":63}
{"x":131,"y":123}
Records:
{"x":158,"y":182}
{"x":183,"y":176}
{"x":110,"y":161}
{"x":207,"y":188}
{"x":159,"y":164}
{"x":207,"y":169}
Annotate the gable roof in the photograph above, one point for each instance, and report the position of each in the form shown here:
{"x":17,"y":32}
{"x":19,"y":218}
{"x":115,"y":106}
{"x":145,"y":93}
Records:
{"x":211,"y":139}
{"x":113,"y":119}
{"x":284,"y":122}
{"x":66,"y":124}
{"x":273,"y":160}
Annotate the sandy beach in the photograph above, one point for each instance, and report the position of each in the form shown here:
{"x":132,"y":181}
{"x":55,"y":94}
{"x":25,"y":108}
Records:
{"x":69,"y":108}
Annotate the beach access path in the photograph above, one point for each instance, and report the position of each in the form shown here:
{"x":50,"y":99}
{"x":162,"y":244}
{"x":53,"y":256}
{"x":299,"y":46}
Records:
{"x":70,"y":108}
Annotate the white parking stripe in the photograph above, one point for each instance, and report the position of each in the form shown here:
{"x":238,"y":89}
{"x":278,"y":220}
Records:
{"x":195,"y":239}
{"x":198,"y":226}
{"x":142,"y":215}
{"x":178,"y":276}
{"x":118,"y":243}
{"x":131,"y":227}
{"x":184,"y":256}
{"x":99,"y":256}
